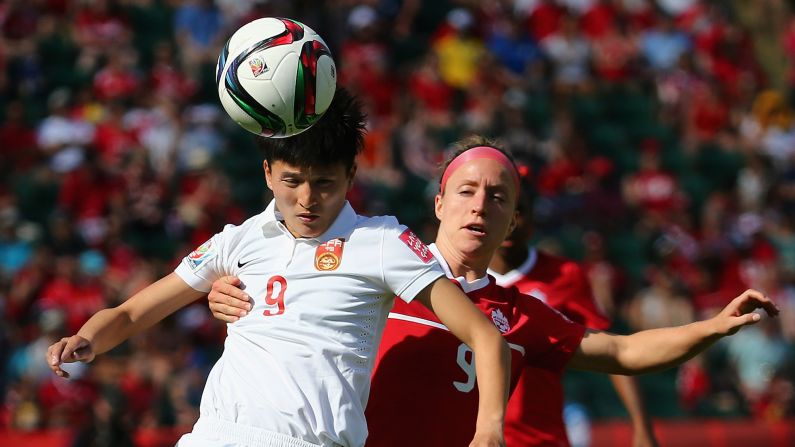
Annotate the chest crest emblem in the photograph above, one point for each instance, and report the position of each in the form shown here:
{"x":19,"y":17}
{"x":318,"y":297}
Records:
{"x":329,"y":255}
{"x":500,"y":320}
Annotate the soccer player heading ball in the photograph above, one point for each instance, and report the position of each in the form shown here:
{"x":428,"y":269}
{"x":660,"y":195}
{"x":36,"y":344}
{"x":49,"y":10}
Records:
{"x":424,"y":377}
{"x":296,"y":370}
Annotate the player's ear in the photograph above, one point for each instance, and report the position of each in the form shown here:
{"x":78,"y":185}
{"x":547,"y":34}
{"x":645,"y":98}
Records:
{"x":514,"y":222}
{"x":437,"y":206}
{"x":267,"y":169}
{"x":352,"y":175}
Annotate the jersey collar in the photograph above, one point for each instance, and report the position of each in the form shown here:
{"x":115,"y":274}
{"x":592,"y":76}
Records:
{"x":516,"y":274}
{"x":465,"y":285}
{"x":342,"y":227}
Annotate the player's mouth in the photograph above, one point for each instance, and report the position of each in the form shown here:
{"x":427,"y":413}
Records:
{"x":476,"y":230}
{"x":307,"y":218}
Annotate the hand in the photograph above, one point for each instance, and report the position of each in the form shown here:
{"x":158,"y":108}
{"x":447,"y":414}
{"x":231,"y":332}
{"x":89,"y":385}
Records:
{"x":740,"y":312}
{"x":68,"y":350}
{"x":228,"y":302}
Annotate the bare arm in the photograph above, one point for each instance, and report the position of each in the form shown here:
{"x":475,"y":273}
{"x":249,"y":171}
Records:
{"x":109,"y":327}
{"x":492,"y":355}
{"x":658,"y":349}
{"x":642,"y":432}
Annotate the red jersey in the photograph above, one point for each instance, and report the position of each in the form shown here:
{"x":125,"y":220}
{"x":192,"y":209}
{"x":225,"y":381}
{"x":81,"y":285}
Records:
{"x":535,"y":411}
{"x":423,"y":386}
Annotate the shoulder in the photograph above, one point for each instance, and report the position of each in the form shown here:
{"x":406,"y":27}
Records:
{"x":566,"y":267}
{"x":377,"y":223}
{"x":234,"y":235}
{"x":535,"y":308}
{"x":496,"y":293}
{"x":386,"y":228}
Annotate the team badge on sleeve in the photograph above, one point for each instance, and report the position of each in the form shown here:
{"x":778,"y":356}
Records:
{"x":329,"y":255}
{"x":201,"y":255}
{"x":416,"y":245}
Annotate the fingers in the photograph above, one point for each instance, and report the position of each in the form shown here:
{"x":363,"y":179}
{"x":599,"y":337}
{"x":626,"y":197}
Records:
{"x":231,"y":280}
{"x":226,"y":291}
{"x":753,"y":299}
{"x":54,"y":358}
{"x":226,"y":313}
{"x":220,"y":301}
{"x":747,"y":320}
{"x":77,"y":349}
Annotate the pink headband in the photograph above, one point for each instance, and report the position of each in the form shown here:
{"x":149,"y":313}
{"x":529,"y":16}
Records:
{"x":476,"y":153}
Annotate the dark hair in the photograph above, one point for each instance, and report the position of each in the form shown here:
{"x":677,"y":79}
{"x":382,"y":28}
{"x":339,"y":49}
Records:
{"x":337,"y":137}
{"x":468,"y":143}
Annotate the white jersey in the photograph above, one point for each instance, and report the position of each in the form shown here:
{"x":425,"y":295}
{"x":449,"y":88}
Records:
{"x":296,"y":369}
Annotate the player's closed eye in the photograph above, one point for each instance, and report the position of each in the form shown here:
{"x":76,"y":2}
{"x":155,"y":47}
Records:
{"x":499,"y":198}
{"x":324,"y":182}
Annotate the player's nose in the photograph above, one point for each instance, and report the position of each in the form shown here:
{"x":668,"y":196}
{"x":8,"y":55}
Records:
{"x":478,"y":202}
{"x":307,"y":196}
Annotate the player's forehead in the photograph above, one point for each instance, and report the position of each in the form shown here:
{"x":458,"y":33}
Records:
{"x":483,"y":171}
{"x":284,"y":168}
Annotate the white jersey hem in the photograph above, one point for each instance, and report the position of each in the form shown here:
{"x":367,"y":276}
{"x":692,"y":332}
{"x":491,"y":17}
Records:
{"x":246,"y":435}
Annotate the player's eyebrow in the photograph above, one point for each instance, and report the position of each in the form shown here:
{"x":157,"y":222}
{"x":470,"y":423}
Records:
{"x":467,"y":182}
{"x":291,"y":174}
{"x":500,"y":187}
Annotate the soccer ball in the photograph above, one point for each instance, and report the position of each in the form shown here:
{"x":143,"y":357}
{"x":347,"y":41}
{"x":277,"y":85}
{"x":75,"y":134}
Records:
{"x":275,"y":77}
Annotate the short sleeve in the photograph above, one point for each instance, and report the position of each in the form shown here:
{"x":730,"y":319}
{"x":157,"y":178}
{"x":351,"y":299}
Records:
{"x":408,"y":266}
{"x":201,"y":267}
{"x":549,"y":337}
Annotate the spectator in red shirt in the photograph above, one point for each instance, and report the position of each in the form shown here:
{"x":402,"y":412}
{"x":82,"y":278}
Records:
{"x":545,"y":19}
{"x":614,"y":51}
{"x":71,"y":292}
{"x":112,"y":139}
{"x":117,"y":80}
{"x":166,"y":80}
{"x":430,"y":91}
{"x":599,"y":19}
{"x":99,"y":28}
{"x":650,"y":188}
{"x":365,"y":65}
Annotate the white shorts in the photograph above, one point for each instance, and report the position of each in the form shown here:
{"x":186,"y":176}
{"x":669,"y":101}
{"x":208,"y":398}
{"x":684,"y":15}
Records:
{"x":216,"y":433}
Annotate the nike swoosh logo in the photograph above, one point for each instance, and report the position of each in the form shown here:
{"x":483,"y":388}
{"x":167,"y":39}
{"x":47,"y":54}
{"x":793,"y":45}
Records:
{"x":241,"y":264}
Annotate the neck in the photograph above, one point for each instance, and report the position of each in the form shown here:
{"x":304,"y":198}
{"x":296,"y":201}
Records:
{"x":469,"y":267}
{"x":509,"y":258}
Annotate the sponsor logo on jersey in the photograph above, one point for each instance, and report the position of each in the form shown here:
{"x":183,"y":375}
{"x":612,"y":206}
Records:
{"x":201,"y":255}
{"x":258,"y":66}
{"x":329,"y":255}
{"x":500,"y":321}
{"x":416,"y":245}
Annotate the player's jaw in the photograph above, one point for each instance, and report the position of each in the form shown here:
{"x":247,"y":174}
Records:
{"x":309,"y":198}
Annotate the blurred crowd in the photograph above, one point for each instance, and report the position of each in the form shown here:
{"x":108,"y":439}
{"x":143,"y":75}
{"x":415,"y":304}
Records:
{"x":657,"y":139}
